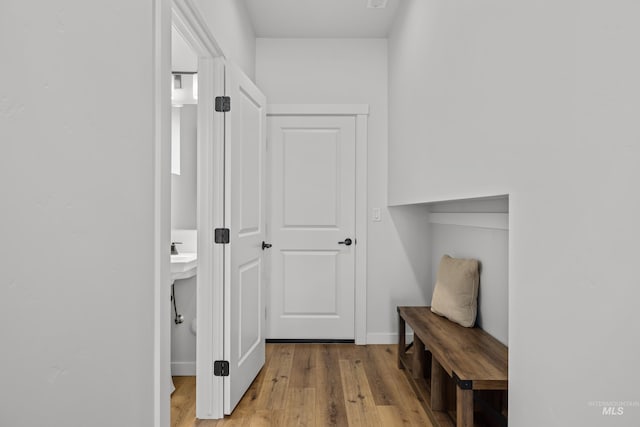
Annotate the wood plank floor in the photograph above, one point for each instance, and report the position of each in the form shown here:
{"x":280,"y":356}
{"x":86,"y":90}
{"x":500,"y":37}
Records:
{"x":316,"y":385}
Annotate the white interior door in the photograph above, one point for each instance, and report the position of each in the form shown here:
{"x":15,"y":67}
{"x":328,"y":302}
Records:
{"x":312,"y":210}
{"x":245,"y":155}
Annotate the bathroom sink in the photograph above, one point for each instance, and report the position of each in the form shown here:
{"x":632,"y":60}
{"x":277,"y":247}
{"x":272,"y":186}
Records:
{"x":183,"y":258}
{"x":183,"y":266}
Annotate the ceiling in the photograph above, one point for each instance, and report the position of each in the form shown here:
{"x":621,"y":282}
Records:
{"x":320,"y":18}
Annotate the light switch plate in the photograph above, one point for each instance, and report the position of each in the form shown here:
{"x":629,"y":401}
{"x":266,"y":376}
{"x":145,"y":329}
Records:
{"x":375,"y":215}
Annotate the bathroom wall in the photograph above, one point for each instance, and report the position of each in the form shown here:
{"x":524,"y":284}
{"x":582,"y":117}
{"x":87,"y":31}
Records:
{"x":183,"y":335}
{"x":184,"y":186}
{"x":183,"y":226}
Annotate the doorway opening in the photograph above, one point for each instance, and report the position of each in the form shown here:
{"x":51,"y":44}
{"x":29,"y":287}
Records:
{"x":202,"y":160}
{"x":184,"y":225}
{"x":318,"y":218}
{"x":230,"y":217}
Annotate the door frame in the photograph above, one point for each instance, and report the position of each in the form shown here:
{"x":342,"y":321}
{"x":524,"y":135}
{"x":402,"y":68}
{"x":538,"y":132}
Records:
{"x":361,"y":114}
{"x":185,"y":16}
{"x":189,"y":23}
{"x":161,"y":211}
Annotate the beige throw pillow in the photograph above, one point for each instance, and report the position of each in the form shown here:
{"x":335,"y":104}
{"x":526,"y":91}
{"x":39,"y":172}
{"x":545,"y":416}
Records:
{"x":456,"y":291}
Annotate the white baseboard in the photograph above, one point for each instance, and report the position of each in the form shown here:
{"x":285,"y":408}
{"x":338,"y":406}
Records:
{"x":183,"y":369}
{"x":386,"y":338}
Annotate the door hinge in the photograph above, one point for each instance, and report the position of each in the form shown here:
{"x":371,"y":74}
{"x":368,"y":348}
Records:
{"x":223,"y":104}
{"x":221,"y":235}
{"x":221,"y":368}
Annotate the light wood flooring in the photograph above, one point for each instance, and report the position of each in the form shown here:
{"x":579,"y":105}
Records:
{"x":316,"y":385}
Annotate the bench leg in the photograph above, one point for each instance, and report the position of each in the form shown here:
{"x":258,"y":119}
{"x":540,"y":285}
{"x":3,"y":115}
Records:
{"x":438,"y":383}
{"x":419,"y":359}
{"x":464,"y":407}
{"x":402,"y":345}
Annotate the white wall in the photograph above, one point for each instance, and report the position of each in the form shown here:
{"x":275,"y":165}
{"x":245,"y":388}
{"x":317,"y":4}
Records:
{"x":490,"y":247}
{"x":351,"y":71}
{"x":538,"y":100}
{"x":77,"y":218}
{"x":230,"y":24}
{"x":184,"y":186}
{"x":183,"y":338}
{"x":477,"y":228}
{"x":183,"y":58}
{"x":183,"y":224}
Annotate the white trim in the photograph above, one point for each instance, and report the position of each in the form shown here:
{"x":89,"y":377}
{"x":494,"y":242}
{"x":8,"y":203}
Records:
{"x":183,"y":369}
{"x":161,"y":212}
{"x":498,"y":221}
{"x":361,"y":230}
{"x":498,"y":194}
{"x":226,"y":279}
{"x":218,"y":304}
{"x":317,"y":109}
{"x":387,"y":338}
{"x":190,"y":23}
{"x":184,"y":15}
{"x":360,"y":112}
{"x":209,"y":278}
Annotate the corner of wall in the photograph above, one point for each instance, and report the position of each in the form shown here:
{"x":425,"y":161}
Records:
{"x":231,"y":26}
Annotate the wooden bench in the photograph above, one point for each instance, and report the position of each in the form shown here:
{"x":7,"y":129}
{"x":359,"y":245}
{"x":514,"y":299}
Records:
{"x":468,"y":359}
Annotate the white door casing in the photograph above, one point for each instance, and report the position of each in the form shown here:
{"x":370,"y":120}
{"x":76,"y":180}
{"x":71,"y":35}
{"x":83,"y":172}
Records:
{"x":210,"y":278}
{"x":313,"y":208}
{"x":185,"y":17}
{"x":245,"y":156}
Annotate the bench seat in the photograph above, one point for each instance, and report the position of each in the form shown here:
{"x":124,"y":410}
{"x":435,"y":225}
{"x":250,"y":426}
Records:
{"x":472,"y":358}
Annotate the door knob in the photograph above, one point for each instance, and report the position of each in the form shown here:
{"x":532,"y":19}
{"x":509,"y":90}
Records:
{"x":265,"y":245}
{"x":347,"y":242}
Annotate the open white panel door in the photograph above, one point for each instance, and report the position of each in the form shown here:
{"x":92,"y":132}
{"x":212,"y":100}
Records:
{"x":245,"y":155}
